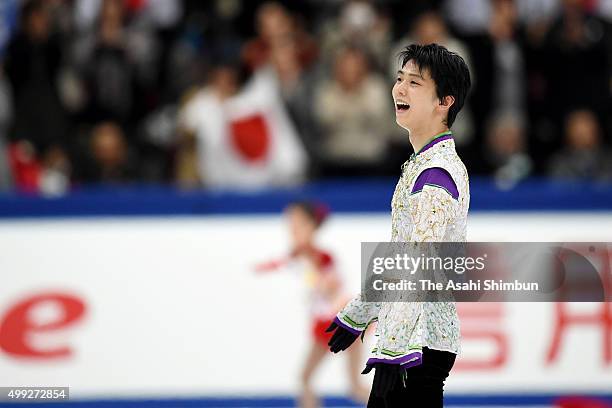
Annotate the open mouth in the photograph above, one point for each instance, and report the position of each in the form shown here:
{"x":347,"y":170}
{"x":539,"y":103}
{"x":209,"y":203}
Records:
{"x":401,"y":107}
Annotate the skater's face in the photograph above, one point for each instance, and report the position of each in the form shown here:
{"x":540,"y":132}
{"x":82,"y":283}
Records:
{"x":416,"y":102}
{"x":301,"y":227}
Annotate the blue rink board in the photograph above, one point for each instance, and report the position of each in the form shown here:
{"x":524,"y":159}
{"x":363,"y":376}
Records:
{"x":367,"y":195}
{"x":497,"y":400}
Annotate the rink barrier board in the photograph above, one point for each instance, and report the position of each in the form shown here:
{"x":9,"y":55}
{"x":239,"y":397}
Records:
{"x":370,"y":195}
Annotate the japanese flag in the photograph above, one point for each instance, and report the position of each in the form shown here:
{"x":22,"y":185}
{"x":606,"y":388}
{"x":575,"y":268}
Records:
{"x":248,"y":140}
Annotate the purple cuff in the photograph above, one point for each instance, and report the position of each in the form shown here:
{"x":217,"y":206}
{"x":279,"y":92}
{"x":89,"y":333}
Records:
{"x":436,"y":176}
{"x":405,"y":361}
{"x":345,"y":326}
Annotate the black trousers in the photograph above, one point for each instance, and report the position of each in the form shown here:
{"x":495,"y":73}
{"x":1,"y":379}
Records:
{"x":424,"y":385}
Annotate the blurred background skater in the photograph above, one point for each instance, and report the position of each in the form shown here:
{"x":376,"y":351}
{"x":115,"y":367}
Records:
{"x":326,"y":297}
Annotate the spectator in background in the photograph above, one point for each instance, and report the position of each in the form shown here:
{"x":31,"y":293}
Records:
{"x":583,"y":157}
{"x":499,"y":64}
{"x":506,"y":155}
{"x":509,"y":84}
{"x":110,"y":160}
{"x":196,"y":130}
{"x":578,"y":65}
{"x":538,"y":16}
{"x":32,"y":63}
{"x":536,"y":12}
{"x":244,"y":138}
{"x":49,"y":176}
{"x":118,"y":63}
{"x":187,"y":57}
{"x":354,"y":112}
{"x":273,"y":23}
{"x":54,"y":178}
{"x":106,"y":69}
{"x":25,"y":166}
{"x":569,"y":67}
{"x":295,"y":81}
{"x":275,"y":27}
{"x":361,"y":25}
{"x":284,"y":48}
{"x":469,"y":17}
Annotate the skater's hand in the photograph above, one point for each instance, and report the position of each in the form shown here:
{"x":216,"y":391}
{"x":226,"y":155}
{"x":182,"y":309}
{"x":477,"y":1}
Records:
{"x":341,"y":339}
{"x":386,"y":378}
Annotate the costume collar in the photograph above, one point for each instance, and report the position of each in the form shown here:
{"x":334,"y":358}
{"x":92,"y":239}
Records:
{"x":440,"y":137}
{"x":436,"y":139}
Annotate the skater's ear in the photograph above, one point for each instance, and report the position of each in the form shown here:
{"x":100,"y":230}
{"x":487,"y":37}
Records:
{"x":444,"y":106}
{"x":447,"y":101}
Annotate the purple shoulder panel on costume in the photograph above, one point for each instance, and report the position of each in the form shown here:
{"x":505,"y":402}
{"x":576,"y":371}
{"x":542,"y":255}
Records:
{"x":436,"y":176}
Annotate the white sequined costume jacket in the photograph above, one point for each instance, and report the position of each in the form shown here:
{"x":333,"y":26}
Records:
{"x":423,"y":210}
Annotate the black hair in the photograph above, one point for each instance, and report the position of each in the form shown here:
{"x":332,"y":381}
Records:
{"x":316,"y":211}
{"x":448,"y":70}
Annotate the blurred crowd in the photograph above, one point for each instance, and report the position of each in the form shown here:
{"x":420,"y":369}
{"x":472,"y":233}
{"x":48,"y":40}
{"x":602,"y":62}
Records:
{"x":250,"y":94}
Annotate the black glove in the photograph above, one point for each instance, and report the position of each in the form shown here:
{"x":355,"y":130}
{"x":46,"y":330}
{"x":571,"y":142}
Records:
{"x":341,"y":339}
{"x":387,"y":377}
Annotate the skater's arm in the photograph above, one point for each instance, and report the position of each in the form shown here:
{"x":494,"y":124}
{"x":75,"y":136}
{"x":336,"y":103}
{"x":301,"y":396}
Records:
{"x":274,"y":265}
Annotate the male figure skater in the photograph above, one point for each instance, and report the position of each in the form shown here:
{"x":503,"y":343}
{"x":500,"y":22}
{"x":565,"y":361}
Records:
{"x":418,"y":341}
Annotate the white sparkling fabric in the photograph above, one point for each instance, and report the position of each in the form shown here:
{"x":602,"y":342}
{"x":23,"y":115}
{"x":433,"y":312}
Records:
{"x":429,"y":215}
